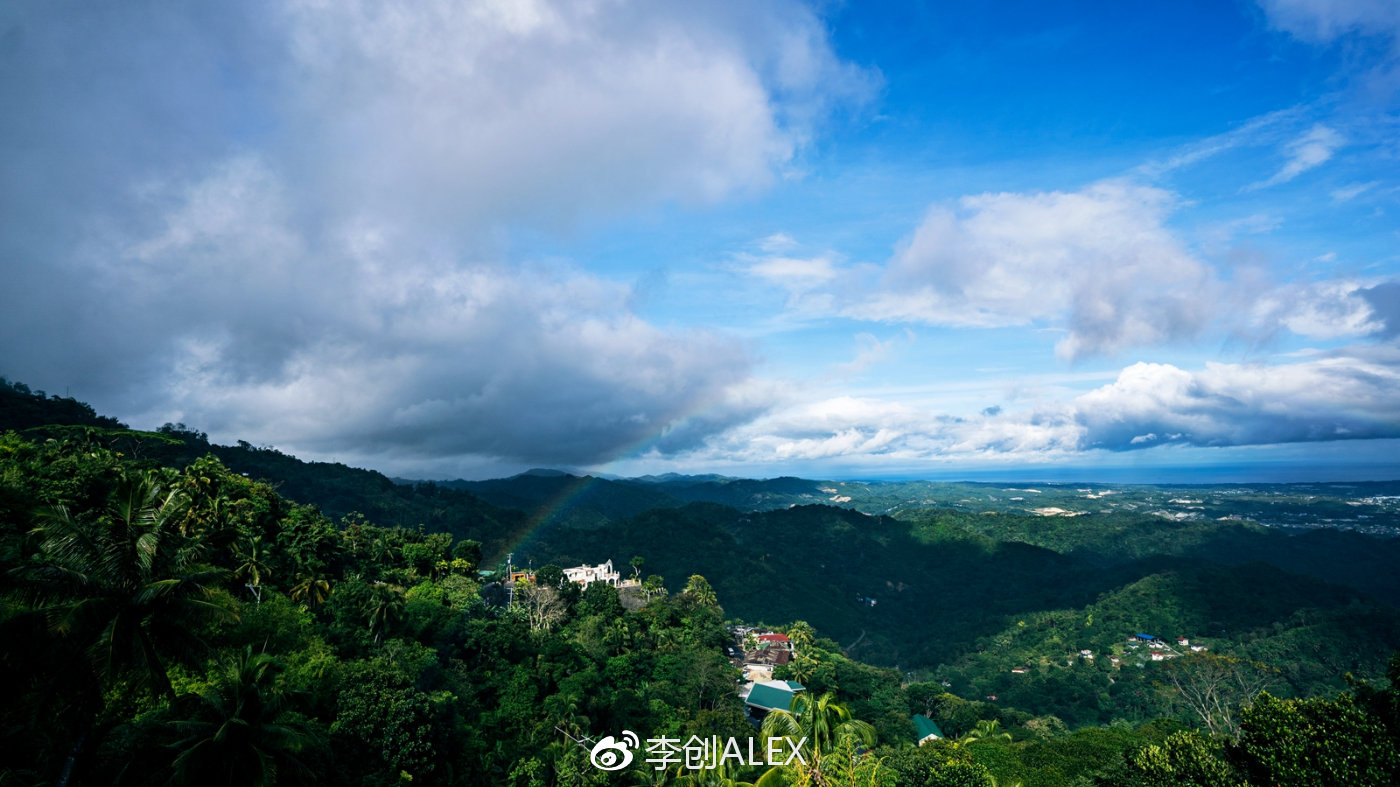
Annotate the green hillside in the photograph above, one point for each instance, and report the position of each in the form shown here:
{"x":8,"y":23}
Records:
{"x":941,"y":591}
{"x":1307,"y":636}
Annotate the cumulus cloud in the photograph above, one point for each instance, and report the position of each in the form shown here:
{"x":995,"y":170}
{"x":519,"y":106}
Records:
{"x":1318,"y":310}
{"x":1099,"y":261}
{"x":1247,"y":404}
{"x":543,"y":109}
{"x":359,"y":348}
{"x":1147,"y":405}
{"x":287,"y":220}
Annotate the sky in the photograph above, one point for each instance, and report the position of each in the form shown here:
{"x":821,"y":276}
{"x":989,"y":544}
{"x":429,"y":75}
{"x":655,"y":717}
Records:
{"x":451,"y":239}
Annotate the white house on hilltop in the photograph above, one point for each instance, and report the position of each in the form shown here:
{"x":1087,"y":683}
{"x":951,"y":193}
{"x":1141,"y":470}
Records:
{"x":586,"y":575}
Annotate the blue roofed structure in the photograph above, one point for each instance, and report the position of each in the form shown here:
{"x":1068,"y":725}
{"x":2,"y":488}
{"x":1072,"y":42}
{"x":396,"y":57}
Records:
{"x":773,"y":695}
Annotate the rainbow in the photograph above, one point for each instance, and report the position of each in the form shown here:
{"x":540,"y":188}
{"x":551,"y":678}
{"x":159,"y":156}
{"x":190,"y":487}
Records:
{"x":579,"y":486}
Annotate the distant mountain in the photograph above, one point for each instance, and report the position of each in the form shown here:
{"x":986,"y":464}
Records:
{"x":554,"y":496}
{"x":557,"y":498}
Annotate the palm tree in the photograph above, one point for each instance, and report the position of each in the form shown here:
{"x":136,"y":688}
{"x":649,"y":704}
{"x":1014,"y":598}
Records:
{"x":652,"y":586}
{"x":801,"y":634}
{"x":253,"y":566}
{"x":985,"y":731}
{"x":209,"y":516}
{"x":822,"y":721}
{"x":699,"y":588}
{"x":239,"y":731}
{"x":723,"y":775}
{"x":311,"y":590}
{"x":384,"y":609}
{"x":804,"y":666}
{"x":126,"y":581}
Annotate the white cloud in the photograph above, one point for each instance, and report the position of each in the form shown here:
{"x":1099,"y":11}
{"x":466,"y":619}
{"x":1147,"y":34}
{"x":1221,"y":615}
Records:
{"x":1146,"y":406}
{"x":1318,"y":310}
{"x":1252,"y":132}
{"x":793,"y":272}
{"x":1312,"y":149}
{"x":1353,"y":190}
{"x":777,"y":243}
{"x":1322,"y":21}
{"x":362,"y":343}
{"x":548,"y":110}
{"x":1099,"y":261}
{"x":869,"y":352}
{"x":1247,"y":404}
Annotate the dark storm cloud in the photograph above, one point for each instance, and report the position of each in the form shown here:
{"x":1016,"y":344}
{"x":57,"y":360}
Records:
{"x":1384,"y":300}
{"x":282,"y":221}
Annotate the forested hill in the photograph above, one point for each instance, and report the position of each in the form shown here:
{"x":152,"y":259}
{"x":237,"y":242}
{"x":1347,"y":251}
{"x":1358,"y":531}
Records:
{"x":22,"y":408}
{"x":336,"y":489}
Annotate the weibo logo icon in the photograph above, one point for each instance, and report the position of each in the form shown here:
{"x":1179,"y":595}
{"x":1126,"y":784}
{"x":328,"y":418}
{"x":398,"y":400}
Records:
{"x":611,"y":755}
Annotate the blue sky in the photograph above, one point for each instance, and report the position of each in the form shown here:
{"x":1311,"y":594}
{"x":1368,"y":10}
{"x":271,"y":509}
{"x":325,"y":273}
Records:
{"x":843,"y":240}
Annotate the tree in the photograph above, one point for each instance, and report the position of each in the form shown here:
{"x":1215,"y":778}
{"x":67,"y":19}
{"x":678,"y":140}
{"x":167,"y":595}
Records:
{"x":1288,"y":743}
{"x":1214,"y":687}
{"x":847,"y":766}
{"x":698,"y":588}
{"x":253,"y":565}
{"x":310,"y":590}
{"x":383,"y":723}
{"x":804,"y":666}
{"x":802,"y":634}
{"x":542,"y":605}
{"x":127,"y":581}
{"x":1184,"y":758}
{"x":821,"y":720}
{"x":240,"y":731}
{"x":985,"y":731}
{"x":468,"y":550}
{"x":636,"y":563}
{"x":939,"y":765}
{"x":550,"y":575}
{"x":384,"y":609}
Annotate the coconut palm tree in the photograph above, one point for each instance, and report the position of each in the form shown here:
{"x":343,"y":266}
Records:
{"x":699,"y":588}
{"x":310,"y":590}
{"x":823,"y":721}
{"x":126,"y":582}
{"x":253,"y":565}
{"x":239,"y":731}
{"x":804,"y":666}
{"x":384,"y":609}
{"x":801,"y":634}
{"x":985,"y":731}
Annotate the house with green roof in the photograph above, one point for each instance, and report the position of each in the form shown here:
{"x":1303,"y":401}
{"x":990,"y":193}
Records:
{"x":925,"y":728}
{"x":771,"y":695}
